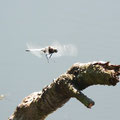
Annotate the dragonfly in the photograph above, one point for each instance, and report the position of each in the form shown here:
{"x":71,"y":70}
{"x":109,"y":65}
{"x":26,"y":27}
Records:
{"x":55,"y":49}
{"x":48,"y":51}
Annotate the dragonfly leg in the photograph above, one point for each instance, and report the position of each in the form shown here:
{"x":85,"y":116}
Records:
{"x":50,"y":55}
{"x":47,"y":58}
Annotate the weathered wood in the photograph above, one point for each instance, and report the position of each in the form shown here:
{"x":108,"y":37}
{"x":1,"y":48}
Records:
{"x":40,"y":104}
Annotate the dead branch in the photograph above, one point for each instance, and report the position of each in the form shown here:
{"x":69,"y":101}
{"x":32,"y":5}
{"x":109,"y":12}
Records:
{"x":80,"y":76}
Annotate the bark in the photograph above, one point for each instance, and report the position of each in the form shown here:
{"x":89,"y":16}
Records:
{"x":80,"y":76}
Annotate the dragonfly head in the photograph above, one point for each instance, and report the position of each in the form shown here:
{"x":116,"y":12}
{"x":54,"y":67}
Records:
{"x":55,"y":50}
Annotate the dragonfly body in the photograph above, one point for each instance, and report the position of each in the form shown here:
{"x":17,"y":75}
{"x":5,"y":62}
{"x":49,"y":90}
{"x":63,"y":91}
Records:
{"x":49,"y":50}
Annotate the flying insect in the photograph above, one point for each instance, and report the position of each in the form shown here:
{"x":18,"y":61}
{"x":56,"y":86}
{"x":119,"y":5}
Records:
{"x":54,"y":50}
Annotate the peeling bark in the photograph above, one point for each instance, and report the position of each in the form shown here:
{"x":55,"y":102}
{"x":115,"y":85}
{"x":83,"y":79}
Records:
{"x":80,"y":76}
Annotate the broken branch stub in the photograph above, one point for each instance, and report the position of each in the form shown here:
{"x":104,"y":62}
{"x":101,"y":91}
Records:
{"x":40,"y":104}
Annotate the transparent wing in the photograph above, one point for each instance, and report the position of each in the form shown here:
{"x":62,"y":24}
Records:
{"x":35,"y":50}
{"x":64,"y":49}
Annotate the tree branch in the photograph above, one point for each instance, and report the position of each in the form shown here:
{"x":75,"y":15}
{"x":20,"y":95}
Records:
{"x":80,"y":76}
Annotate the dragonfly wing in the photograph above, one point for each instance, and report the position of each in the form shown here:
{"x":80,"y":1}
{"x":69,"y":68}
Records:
{"x":64,"y":50}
